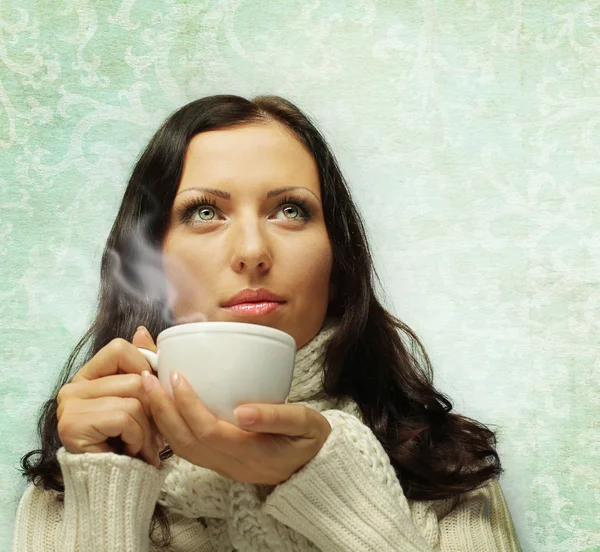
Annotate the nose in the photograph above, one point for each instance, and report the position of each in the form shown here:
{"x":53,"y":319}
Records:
{"x":250,"y":248}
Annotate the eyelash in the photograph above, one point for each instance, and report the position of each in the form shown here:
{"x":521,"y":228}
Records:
{"x":191,"y":206}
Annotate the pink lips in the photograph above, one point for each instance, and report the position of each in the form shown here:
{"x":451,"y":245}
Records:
{"x":253,"y":302}
{"x":254,"y":309}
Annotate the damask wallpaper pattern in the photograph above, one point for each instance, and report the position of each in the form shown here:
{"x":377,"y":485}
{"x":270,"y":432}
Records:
{"x":469,"y":132}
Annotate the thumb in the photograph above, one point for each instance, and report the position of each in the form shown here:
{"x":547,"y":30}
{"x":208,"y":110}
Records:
{"x":142,"y":338}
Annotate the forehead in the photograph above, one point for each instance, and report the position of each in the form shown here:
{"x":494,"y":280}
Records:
{"x":264,"y":154}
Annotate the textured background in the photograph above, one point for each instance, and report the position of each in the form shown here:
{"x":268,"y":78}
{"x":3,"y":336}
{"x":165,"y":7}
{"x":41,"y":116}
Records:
{"x":469,"y":131}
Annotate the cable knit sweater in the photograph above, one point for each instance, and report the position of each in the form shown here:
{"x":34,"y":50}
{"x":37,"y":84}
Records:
{"x":346,"y":499}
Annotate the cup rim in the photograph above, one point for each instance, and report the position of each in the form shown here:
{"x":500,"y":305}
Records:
{"x":227,"y":326}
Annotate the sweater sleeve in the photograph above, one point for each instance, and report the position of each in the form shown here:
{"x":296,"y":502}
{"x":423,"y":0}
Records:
{"x":108,"y":504}
{"x":349,"y":498}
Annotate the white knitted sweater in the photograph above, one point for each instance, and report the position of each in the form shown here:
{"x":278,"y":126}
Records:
{"x":346,"y":499}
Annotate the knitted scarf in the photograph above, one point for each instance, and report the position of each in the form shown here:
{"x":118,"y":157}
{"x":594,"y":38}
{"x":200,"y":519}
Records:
{"x":197,"y":492}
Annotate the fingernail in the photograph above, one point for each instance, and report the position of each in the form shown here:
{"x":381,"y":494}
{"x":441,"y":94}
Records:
{"x":148,"y":381}
{"x":143,"y":331}
{"x":246,"y":415}
{"x":175,"y":379}
{"x":160,"y":442}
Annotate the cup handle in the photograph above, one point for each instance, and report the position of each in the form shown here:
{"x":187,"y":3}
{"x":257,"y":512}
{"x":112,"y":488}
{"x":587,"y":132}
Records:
{"x":150,"y":356}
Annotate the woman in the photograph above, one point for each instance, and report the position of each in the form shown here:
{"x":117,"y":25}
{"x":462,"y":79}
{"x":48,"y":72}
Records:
{"x":241,"y":195}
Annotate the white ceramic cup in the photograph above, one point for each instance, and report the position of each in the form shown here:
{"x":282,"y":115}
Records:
{"x":227,"y":363}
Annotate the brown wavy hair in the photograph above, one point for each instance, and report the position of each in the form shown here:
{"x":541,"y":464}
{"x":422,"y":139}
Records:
{"x":375,"y":358}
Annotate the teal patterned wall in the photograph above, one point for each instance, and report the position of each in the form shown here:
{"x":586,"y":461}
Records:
{"x":469,"y":132}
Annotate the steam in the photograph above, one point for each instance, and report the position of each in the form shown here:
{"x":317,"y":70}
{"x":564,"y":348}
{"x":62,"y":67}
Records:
{"x":152,"y":277}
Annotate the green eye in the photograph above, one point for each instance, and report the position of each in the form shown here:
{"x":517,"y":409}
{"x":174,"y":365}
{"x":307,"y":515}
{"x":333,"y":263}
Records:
{"x":291,"y":211}
{"x":207,"y":213}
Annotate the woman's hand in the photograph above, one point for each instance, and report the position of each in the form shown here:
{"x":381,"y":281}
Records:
{"x":106,"y":401}
{"x":282,"y":439}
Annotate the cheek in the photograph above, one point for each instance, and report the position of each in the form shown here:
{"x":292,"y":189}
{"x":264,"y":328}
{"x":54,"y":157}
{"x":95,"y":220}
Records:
{"x":312,"y":270}
{"x":190,"y":278}
{"x":186,"y":260}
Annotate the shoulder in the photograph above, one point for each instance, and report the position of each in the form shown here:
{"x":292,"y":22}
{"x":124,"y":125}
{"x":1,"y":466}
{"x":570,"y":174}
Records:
{"x":481,"y":501}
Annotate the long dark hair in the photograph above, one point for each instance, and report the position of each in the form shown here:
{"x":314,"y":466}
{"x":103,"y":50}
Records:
{"x":375,"y":358}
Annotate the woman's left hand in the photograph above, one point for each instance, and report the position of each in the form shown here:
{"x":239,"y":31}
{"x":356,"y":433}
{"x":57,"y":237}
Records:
{"x":282,"y":439}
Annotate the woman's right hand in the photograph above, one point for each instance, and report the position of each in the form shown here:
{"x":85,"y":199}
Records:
{"x":106,"y":400}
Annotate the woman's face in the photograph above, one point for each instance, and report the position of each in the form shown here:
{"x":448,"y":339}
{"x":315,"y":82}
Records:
{"x":248,"y":216}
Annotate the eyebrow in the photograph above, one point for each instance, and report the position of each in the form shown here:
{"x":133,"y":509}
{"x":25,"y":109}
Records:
{"x":226,"y":195}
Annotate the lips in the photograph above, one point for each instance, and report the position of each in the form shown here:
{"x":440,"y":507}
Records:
{"x":248,"y":296}
{"x":254,"y":309}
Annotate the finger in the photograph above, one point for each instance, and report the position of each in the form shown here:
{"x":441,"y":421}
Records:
{"x":142,"y":338}
{"x":149,"y":447}
{"x":136,"y":433}
{"x":220,"y":436}
{"x":121,"y":385}
{"x":107,"y":417}
{"x":294,"y":420}
{"x":191,"y":407}
{"x":146,"y":447}
{"x":118,"y":356}
{"x":165,"y":414}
